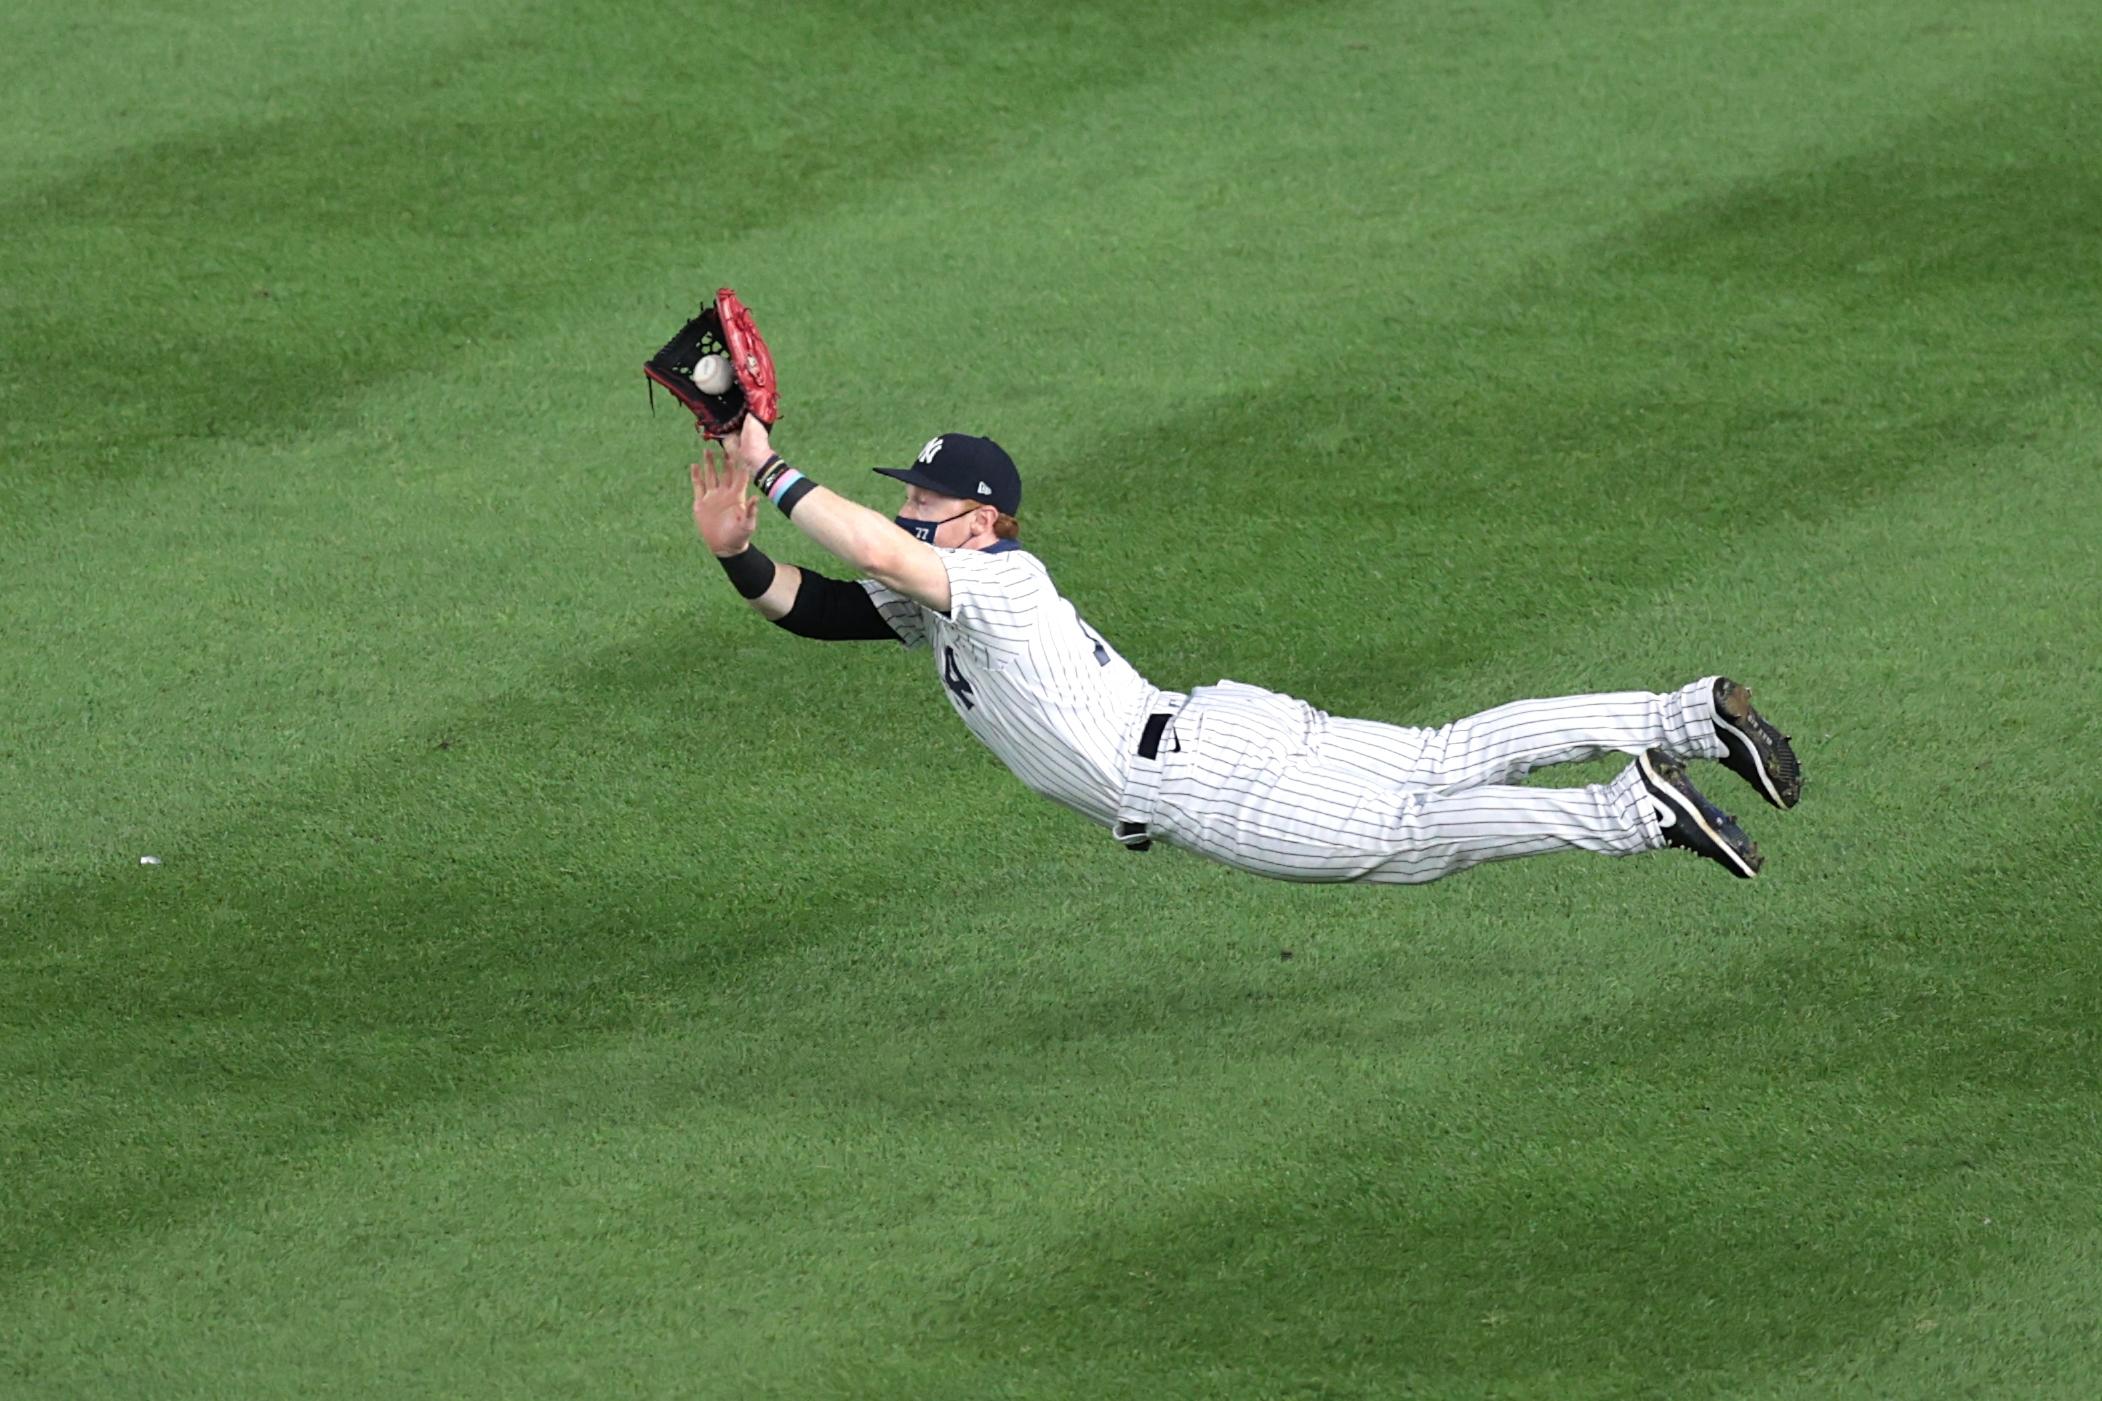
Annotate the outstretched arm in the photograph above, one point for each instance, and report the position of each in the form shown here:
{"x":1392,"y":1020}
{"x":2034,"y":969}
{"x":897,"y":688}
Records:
{"x":851,"y":532}
{"x":802,"y":601}
{"x":727,"y":515}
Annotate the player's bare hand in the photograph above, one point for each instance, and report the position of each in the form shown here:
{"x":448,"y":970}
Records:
{"x":751,"y":445}
{"x":724,"y":510}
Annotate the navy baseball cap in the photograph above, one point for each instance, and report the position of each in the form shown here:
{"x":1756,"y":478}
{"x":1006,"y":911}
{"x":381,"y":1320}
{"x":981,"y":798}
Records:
{"x":968,"y":468}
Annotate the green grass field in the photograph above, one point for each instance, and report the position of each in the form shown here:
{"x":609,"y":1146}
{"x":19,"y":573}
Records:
{"x":559,"y":983}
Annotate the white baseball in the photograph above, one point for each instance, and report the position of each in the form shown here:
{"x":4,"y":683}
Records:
{"x":712,"y":375}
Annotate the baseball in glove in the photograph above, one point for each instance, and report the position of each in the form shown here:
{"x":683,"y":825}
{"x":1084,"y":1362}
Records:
{"x":719,"y":367}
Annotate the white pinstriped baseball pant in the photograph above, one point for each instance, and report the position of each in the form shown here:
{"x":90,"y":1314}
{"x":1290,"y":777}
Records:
{"x":1269,"y":784}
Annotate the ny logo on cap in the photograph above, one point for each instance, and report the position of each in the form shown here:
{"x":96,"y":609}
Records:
{"x":934,"y":445}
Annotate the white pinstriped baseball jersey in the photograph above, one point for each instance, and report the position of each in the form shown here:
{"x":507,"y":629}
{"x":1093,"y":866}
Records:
{"x":1265,"y":782}
{"x":1043,"y":691}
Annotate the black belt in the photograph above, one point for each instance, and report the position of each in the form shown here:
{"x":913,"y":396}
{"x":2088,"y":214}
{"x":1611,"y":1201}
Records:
{"x":1133,"y":834}
{"x":1149,"y":738}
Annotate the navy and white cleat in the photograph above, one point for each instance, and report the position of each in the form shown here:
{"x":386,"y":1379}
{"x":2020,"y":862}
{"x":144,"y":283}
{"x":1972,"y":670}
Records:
{"x":1759,"y":753}
{"x":1692,"y":822}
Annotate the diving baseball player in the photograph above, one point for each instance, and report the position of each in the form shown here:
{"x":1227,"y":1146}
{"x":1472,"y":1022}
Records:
{"x":1258,"y":780}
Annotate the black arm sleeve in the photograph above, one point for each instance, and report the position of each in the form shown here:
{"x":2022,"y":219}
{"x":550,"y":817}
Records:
{"x":834,"y":611}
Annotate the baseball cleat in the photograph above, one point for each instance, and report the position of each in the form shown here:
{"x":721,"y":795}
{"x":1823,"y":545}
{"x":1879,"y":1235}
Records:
{"x":1759,"y":753}
{"x":1692,"y":822}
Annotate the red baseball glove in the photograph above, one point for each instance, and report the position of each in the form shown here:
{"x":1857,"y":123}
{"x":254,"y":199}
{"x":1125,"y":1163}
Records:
{"x":719,"y":367}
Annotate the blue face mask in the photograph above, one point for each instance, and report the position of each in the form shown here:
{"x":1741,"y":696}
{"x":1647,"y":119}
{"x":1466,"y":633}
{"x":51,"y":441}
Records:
{"x":924,"y":530}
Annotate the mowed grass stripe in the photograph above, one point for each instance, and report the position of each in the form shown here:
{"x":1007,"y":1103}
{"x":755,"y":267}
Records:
{"x":761,"y":1057}
{"x":2028,"y":1331}
{"x":395,"y":518}
{"x":81,"y":84}
{"x":1585,"y":433}
{"x":385,"y":548}
{"x":278,"y":269}
{"x":615,"y":864}
{"x":1834,"y":1112}
{"x":1642,"y":556}
{"x":405,"y":514}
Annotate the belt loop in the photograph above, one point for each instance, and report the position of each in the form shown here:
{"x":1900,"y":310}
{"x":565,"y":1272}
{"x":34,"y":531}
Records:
{"x":1142,"y":774}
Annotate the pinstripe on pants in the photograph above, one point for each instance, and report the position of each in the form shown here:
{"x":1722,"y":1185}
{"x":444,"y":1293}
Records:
{"x":1269,"y":784}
